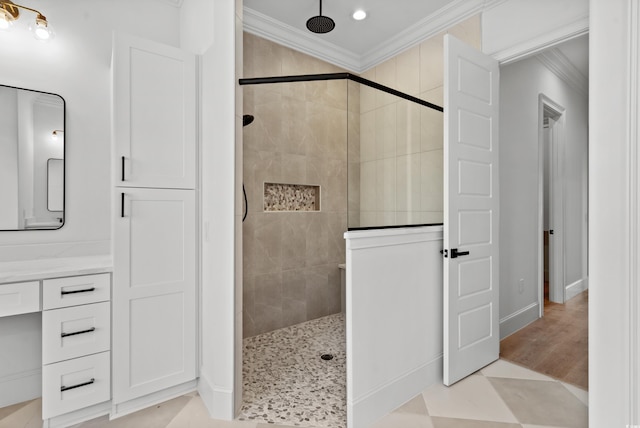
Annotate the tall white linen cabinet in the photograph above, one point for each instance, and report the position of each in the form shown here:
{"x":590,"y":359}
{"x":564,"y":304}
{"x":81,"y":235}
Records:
{"x":154,"y":223}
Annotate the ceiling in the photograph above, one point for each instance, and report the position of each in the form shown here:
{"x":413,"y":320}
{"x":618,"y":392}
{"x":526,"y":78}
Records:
{"x":384,"y":20}
{"x":577,"y":52}
{"x":390,"y":26}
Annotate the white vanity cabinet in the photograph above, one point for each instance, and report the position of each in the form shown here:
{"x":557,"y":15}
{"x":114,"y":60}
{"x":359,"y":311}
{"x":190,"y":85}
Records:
{"x":55,"y":336}
{"x":19,"y":298}
{"x":154,"y":114}
{"x":154,"y":302}
{"x":154,"y":223}
{"x":76,"y":343}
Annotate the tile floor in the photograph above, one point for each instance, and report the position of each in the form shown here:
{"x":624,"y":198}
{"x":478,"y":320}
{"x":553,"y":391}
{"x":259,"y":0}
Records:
{"x":292,"y":386}
{"x":502,"y":395}
{"x":286,"y":380}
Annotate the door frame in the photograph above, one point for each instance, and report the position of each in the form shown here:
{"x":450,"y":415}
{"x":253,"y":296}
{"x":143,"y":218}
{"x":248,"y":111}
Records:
{"x":549,"y":108}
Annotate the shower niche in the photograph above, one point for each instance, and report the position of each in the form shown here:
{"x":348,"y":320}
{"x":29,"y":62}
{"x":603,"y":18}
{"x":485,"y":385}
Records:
{"x":291,"y":197}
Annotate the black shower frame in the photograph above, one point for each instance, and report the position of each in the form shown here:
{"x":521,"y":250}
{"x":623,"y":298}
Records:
{"x":337,"y":76}
{"x":357,"y":79}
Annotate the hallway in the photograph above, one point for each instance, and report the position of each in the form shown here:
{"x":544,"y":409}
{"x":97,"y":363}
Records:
{"x":556,"y":344}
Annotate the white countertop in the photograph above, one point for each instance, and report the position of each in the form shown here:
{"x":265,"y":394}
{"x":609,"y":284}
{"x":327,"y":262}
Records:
{"x":30,"y":270}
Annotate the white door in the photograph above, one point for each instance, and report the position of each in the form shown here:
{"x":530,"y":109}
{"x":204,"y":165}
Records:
{"x":154,"y":286}
{"x":471,"y":328}
{"x":556,"y":213}
{"x":154,"y":113}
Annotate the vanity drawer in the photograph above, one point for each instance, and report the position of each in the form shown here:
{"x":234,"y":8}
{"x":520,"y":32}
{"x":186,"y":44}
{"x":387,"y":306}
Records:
{"x":75,"y":290}
{"x":73,"y":332}
{"x":19,"y":298}
{"x":74,"y":384}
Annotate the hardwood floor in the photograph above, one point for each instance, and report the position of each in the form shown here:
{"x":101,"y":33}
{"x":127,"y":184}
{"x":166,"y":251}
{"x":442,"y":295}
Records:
{"x":556,"y":344}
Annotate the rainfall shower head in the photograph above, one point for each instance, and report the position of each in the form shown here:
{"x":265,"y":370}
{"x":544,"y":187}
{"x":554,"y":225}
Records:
{"x":320,"y":24}
{"x":247,"y":119}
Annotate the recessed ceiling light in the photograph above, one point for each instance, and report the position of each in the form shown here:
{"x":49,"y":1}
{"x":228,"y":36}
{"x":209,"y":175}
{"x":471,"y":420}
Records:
{"x":359,"y":15}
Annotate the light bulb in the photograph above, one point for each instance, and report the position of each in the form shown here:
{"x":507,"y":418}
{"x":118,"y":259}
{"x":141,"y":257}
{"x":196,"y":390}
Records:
{"x":41,"y":29}
{"x":359,"y":15}
{"x":5,"y":22}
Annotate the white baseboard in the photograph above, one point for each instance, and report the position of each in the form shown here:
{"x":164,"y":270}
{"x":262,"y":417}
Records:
{"x":20,"y":387}
{"x":390,"y":396}
{"x":573,"y":289}
{"x":218,"y":401}
{"x":519,"y":319}
{"x":79,"y":416}
{"x":127,"y":407}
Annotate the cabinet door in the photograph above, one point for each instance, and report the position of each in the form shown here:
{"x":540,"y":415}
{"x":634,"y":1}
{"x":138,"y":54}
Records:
{"x":154,"y":289}
{"x":154,"y":113}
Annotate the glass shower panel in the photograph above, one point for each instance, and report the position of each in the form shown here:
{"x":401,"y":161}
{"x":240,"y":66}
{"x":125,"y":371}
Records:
{"x":395,"y":160}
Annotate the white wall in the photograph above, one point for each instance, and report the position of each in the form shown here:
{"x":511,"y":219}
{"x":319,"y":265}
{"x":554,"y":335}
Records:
{"x":614,"y":227}
{"x":393,"y":318}
{"x":26,"y":153}
{"x":221,"y":221}
{"x":46,"y":118}
{"x":75,"y":65}
{"x":20,"y":358}
{"x":8,"y":159}
{"x":520,"y":86}
{"x":196,"y":32}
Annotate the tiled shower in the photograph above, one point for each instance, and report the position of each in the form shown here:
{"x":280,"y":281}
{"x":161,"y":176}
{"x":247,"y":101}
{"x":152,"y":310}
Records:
{"x":298,"y":138}
{"x":359,"y":157}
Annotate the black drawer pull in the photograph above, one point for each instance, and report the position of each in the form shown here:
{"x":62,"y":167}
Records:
{"x":85,"y":290}
{"x":75,"y":333}
{"x":66,"y":388}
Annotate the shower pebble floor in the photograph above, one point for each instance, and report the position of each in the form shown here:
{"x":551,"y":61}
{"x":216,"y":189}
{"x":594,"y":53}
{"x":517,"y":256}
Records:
{"x":287,"y":382}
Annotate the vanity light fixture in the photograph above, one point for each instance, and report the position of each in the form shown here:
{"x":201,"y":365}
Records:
{"x":359,"y":15}
{"x":56,"y":134}
{"x":9,"y":12}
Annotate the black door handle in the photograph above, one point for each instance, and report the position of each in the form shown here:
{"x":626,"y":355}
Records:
{"x":455,"y":253}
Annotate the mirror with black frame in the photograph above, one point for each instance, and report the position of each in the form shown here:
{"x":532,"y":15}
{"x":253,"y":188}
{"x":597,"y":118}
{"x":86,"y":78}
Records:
{"x":31,"y":159}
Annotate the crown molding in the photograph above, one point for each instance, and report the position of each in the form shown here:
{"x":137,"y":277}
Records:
{"x":283,"y":34}
{"x":560,"y":65}
{"x":534,"y":46}
{"x":444,"y":18}
{"x":303,"y":41}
